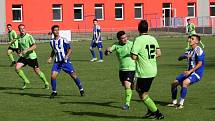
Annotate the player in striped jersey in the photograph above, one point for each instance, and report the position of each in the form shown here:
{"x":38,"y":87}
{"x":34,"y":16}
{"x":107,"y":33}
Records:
{"x":96,"y":42}
{"x":61,"y":49}
{"x":194,"y":73}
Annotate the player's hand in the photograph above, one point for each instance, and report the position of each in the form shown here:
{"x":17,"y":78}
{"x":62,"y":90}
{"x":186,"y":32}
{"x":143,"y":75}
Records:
{"x":97,"y":42}
{"x":49,"y":60}
{"x":66,"y":59}
{"x":9,"y":43}
{"x":187,"y":73}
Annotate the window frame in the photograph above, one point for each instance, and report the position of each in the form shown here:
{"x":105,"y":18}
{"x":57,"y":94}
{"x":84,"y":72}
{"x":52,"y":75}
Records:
{"x":138,"y":7}
{"x":21,"y":9}
{"x":82,"y":12}
{"x":194,"y":9}
{"x":212,"y":6}
{"x":61,"y":12}
{"x":122,"y":7}
{"x":102,"y":8}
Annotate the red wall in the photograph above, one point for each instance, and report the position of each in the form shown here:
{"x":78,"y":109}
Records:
{"x":37,"y":14}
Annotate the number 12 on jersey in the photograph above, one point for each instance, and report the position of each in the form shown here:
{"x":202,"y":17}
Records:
{"x":151,"y":51}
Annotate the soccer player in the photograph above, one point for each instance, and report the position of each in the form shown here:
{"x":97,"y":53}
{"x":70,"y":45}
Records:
{"x":145,"y":50}
{"x":96,"y":42}
{"x":12,"y":40}
{"x":126,"y":65}
{"x":191,"y":30}
{"x":28,"y":57}
{"x":62,"y":50}
{"x":194,"y":73}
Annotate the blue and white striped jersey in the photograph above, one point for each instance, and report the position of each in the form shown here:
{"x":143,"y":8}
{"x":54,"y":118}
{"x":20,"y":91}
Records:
{"x":196,"y":55}
{"x":60,"y":48}
{"x":96,"y":31}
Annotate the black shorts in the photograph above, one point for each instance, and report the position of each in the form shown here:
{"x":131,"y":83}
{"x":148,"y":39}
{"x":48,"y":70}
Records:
{"x":30,"y":62}
{"x":14,"y":49}
{"x":143,"y":84}
{"x":126,"y":76}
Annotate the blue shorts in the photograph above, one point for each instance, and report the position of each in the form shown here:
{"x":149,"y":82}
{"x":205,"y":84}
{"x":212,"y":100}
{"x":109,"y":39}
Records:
{"x":67,"y":67}
{"x":193,"y":78}
{"x":98,"y":45}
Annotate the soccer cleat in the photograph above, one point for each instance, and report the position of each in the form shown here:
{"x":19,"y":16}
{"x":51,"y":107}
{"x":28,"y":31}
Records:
{"x":53,"y":95}
{"x":46,"y":86}
{"x":149,"y":115}
{"x":158,"y":116}
{"x":100,"y":61}
{"x":13,"y":63}
{"x":125,"y":107}
{"x":25,"y":85}
{"x":82,"y":92}
{"x":179,"y":106}
{"x":172,"y":105}
{"x":94,"y":59}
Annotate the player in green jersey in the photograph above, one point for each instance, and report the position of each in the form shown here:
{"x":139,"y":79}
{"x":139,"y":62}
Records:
{"x":191,"y":30}
{"x":28,"y":57}
{"x":145,"y":50}
{"x":13,"y":44}
{"x":126,"y":65}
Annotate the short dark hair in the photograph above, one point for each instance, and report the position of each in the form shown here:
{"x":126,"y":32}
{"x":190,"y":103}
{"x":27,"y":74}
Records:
{"x":143,"y":26}
{"x":197,"y":36}
{"x":21,"y":25}
{"x":188,"y":19}
{"x":9,"y":25}
{"x":189,"y":37}
{"x":119,"y":34}
{"x":54,"y":26}
{"x":95,"y":20}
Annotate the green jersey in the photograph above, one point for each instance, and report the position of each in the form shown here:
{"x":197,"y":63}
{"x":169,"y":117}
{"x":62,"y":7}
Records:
{"x":145,"y":48}
{"x":25,"y":42}
{"x":191,"y":29}
{"x":124,"y":56}
{"x":12,"y":36}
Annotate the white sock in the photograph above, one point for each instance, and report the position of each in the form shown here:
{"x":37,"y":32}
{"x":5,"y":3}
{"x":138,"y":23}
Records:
{"x":181,"y":101}
{"x":174,"y":101}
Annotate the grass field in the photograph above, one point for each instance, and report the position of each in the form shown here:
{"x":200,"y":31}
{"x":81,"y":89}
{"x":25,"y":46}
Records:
{"x":104,"y":93}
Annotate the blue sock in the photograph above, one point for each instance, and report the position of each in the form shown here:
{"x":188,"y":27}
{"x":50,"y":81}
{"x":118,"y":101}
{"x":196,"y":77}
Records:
{"x":93,"y":53}
{"x":101,"y":55}
{"x":54,"y":84}
{"x":174,"y":92}
{"x":183,"y":92}
{"x":78,"y":83}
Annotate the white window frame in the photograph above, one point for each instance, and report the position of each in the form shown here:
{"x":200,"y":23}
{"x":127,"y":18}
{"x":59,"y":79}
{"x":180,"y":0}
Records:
{"x":194,"y":10}
{"x":212,"y":6}
{"x":102,"y":7}
{"x":57,"y":8}
{"x":20,"y":12}
{"x":136,"y":7}
{"x":122,"y":7}
{"x":82,"y":12}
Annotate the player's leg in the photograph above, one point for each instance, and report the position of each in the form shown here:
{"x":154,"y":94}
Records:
{"x":34,"y":64}
{"x":68,"y":68}
{"x":187,"y":82}
{"x":126,"y":78}
{"x":100,"y":46}
{"x":92,"y":46}
{"x":143,"y":86}
{"x":10,"y":55}
{"x":54,"y":75}
{"x":20,"y":63}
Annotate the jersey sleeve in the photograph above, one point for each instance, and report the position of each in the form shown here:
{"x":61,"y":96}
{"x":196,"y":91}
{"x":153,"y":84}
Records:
{"x":67,"y":43}
{"x":14,"y":35}
{"x":113,"y":47}
{"x":136,"y":47}
{"x":200,"y":54}
{"x":156,"y":44}
{"x":31,"y":40}
{"x":99,"y":29}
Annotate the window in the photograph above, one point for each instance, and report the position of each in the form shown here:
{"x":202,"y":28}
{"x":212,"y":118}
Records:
{"x":57,"y":12}
{"x":78,"y":12}
{"x":17,"y":13}
{"x":191,"y":9}
{"x":138,"y":9}
{"x":119,"y":11}
{"x":99,"y":11}
{"x":212,"y":9}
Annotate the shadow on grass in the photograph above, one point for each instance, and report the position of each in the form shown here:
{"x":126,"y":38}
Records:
{"x":98,"y":114}
{"x":105,"y":104}
{"x":28,"y":94}
{"x":81,"y":60}
{"x":211,"y":108}
{"x":162,"y":103}
{"x":10,"y":88}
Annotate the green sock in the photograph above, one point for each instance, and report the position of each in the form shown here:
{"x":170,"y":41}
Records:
{"x":11,"y":57}
{"x":150,"y":104}
{"x":22,"y":75}
{"x":43,"y":77}
{"x":203,"y":46}
{"x":128,"y":94}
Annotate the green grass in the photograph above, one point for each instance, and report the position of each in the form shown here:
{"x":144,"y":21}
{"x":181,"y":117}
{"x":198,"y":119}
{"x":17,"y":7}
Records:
{"x":104,"y":93}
